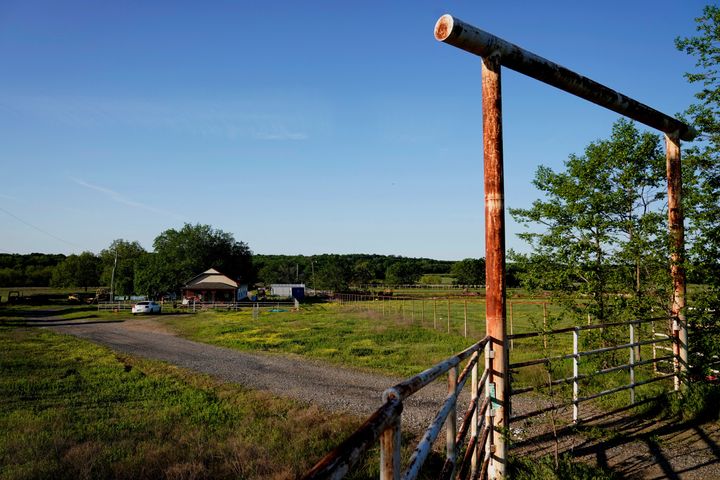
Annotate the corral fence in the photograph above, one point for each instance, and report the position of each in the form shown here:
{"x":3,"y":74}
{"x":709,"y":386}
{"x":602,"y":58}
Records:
{"x":475,"y":439}
{"x":483,"y":442}
{"x":266,"y":306}
{"x":497,"y":53}
{"x":463,"y":315}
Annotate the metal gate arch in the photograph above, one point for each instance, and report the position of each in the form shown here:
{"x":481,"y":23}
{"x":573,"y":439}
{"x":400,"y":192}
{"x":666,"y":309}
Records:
{"x":384,"y":425}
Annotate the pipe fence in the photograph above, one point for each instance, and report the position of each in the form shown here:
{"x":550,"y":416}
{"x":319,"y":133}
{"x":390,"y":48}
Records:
{"x":462,"y":315}
{"x":634,"y":362}
{"x":192,"y":307}
{"x":475,"y":439}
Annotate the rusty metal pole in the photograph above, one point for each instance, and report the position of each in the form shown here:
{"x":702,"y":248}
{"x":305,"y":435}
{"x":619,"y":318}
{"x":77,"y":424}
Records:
{"x":495,"y":254}
{"x":677,"y":254}
{"x":390,"y":452}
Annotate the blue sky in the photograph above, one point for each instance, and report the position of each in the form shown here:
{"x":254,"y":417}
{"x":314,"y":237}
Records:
{"x":299,"y":127}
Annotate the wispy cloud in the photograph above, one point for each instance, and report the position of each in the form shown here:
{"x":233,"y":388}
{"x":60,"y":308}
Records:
{"x":279,"y":134}
{"x":120,"y":198}
{"x":230,"y":120}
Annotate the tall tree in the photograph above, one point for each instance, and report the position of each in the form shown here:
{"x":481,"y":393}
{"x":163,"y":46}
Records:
{"x":80,"y":271}
{"x":601,"y":227}
{"x":470,"y":271}
{"x":181,"y":254}
{"x":127,"y":254}
{"x":702,"y":206}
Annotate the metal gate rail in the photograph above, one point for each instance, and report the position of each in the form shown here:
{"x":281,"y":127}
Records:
{"x":385,"y":424}
{"x":576,"y":355}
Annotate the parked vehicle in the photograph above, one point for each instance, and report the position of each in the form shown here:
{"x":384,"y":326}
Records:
{"x":146,"y":307}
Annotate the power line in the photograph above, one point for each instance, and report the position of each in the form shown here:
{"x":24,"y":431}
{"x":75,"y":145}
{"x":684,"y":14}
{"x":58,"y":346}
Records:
{"x":38,"y":228}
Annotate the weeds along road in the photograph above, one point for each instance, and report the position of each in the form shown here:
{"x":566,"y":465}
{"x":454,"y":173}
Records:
{"x":330,"y":386}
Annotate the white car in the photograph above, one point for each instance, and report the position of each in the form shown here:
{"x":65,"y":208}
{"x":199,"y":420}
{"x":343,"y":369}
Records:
{"x":146,"y":307}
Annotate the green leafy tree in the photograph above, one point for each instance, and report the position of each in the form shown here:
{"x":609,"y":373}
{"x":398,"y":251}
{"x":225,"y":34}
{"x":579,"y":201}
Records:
{"x":601,"y":234}
{"x":470,"y":271}
{"x":128,"y":254}
{"x":702,"y":182}
{"x":181,"y":254}
{"x":402,"y":273}
{"x":80,"y":271}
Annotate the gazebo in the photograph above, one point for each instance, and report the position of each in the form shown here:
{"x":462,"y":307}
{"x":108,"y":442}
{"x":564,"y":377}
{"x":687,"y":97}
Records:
{"x":210,"y":286}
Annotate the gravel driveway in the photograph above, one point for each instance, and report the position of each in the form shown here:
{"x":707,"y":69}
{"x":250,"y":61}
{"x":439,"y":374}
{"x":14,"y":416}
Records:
{"x":330,"y":386}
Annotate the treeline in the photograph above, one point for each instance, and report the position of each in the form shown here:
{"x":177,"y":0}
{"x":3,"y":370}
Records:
{"x":31,"y":270}
{"x":183,"y":253}
{"x":340,"y":272}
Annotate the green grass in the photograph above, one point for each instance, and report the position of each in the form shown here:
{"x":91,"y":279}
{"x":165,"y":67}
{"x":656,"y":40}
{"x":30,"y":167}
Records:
{"x":71,"y":409}
{"x":328,"y":333}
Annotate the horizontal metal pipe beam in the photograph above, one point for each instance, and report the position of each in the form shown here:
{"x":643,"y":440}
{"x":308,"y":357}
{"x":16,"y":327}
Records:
{"x":581,"y":328}
{"x":454,"y":31}
{"x":404,"y":389}
{"x":583,"y":376}
{"x":624,"y":387}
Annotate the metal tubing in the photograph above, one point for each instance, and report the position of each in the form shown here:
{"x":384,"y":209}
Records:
{"x":495,"y":250}
{"x":406,"y":388}
{"x":455,"y":32}
{"x":632,"y":362}
{"x":475,"y":417}
{"x":338,"y":462}
{"x":593,"y":374}
{"x":451,"y":422}
{"x":624,"y":387}
{"x":588,"y":327}
{"x":677,"y":242}
{"x":424,"y":447}
{"x":576,"y":384}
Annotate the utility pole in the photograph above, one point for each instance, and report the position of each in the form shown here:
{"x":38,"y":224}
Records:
{"x":112,"y":277}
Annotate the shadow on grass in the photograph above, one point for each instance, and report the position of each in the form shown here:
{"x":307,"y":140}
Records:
{"x":607,"y":438}
{"x":55,"y":322}
{"x":42,"y":313}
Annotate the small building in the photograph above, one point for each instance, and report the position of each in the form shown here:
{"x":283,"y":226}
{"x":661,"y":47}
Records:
{"x":288,"y":290}
{"x":211,"y":286}
{"x":242,"y":292}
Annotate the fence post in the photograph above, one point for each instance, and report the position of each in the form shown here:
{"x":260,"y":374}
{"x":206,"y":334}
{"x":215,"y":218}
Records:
{"x":465,"y":335}
{"x":632,"y":363}
{"x":495,"y":253}
{"x":576,"y":387}
{"x":677,"y":253}
{"x":451,"y":422}
{"x":422,"y":314}
{"x":654,"y":348}
{"x":545,"y":318}
{"x":435,"y":313}
{"x":390,"y":452}
{"x":448,"y":320}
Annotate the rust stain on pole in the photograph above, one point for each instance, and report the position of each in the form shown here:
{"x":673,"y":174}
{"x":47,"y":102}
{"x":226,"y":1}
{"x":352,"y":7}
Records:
{"x":677,"y":242}
{"x":454,"y":31}
{"x":495,"y":248}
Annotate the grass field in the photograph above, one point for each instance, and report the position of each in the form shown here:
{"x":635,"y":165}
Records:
{"x":71,"y":409}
